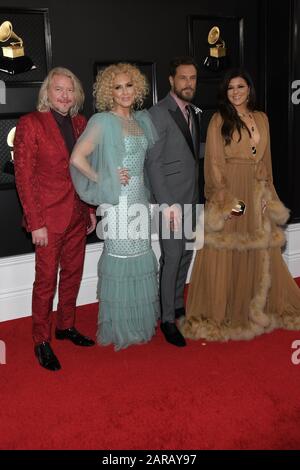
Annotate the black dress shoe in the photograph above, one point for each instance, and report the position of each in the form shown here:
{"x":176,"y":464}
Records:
{"x":46,"y":356}
{"x":172,"y":334}
{"x":179,"y":312}
{"x":73,"y":335}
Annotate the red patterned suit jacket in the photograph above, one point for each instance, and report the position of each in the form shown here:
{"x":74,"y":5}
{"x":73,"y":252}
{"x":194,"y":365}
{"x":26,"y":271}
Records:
{"x":42,"y":172}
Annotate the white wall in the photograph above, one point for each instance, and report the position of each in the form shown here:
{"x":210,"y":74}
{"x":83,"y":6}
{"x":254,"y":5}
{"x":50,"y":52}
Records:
{"x":16,"y":279}
{"x":292,"y":249}
{"x":17,"y":274}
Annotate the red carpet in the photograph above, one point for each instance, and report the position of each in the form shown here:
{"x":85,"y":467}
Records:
{"x":236,"y":395}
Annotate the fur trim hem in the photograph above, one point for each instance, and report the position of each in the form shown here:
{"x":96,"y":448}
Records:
{"x":208,"y":330}
{"x":290,"y":320}
{"x":257,"y":304}
{"x":258,"y":320}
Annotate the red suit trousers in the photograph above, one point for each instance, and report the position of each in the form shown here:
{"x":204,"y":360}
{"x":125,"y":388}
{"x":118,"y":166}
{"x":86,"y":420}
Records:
{"x":65,"y":251}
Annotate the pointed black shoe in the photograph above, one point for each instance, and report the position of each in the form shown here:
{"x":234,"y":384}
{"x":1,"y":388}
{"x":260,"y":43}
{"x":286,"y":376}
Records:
{"x":73,"y":335}
{"x":172,"y":334}
{"x":46,"y":356}
{"x":179,"y":312}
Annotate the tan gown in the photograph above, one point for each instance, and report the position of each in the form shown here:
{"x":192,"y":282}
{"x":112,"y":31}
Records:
{"x":240,"y":286}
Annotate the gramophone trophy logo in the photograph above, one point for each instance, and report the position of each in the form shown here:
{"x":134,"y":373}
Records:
{"x":13,"y":58}
{"x":217,"y":60}
{"x":9,"y":165}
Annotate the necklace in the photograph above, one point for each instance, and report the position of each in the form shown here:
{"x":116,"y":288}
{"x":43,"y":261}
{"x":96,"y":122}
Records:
{"x":252,"y":129}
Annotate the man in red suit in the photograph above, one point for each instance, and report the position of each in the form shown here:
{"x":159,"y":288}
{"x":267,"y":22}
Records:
{"x":53,"y":213}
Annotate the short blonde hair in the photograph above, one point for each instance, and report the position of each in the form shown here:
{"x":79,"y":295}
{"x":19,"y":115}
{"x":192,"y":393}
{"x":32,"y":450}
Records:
{"x":104,"y":85}
{"x":43,"y":102}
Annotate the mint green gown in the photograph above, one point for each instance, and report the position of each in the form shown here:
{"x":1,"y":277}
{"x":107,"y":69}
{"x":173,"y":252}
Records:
{"x":127,"y":269}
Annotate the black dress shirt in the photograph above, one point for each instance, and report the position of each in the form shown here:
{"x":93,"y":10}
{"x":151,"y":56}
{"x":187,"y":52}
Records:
{"x":65,"y":125}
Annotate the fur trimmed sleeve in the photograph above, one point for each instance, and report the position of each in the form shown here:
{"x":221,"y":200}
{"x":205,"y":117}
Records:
{"x":274,"y":207}
{"x":220,"y":201}
{"x":278,"y":212}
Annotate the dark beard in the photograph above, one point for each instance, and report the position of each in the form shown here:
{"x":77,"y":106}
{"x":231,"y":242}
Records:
{"x":182,"y":97}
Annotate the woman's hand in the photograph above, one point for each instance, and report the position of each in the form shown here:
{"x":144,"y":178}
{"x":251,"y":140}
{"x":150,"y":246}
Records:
{"x":263,"y":205}
{"x":123,"y":176}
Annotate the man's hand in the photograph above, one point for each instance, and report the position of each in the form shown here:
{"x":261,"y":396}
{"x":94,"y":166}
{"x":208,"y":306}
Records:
{"x":93,"y":222}
{"x":40,"y":236}
{"x":172,"y":216}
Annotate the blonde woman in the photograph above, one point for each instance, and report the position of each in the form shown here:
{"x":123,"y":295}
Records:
{"x":107,"y":168}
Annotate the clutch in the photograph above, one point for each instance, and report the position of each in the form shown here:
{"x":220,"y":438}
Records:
{"x":239,"y":209}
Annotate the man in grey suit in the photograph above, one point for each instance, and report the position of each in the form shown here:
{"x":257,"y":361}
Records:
{"x":176,"y":179}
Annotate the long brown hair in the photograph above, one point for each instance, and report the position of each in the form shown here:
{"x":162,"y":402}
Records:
{"x":231,"y":119}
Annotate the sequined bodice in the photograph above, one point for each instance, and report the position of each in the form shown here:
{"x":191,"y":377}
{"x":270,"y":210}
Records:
{"x":135,"y":147}
{"x":128,"y":220}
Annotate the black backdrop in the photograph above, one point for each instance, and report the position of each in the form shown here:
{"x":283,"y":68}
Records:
{"x":94,"y":31}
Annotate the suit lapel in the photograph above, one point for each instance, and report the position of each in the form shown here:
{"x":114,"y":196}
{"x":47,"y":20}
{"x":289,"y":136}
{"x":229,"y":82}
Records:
{"x":76,"y":129}
{"x":182,"y":124}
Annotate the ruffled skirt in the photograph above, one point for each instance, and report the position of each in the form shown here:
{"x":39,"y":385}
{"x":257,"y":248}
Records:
{"x":128,"y":294}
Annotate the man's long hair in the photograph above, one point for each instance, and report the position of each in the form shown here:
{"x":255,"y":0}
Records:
{"x":43,"y":101}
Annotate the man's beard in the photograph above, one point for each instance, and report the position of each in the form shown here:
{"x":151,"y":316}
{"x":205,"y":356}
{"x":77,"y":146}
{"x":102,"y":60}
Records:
{"x":184,"y":97}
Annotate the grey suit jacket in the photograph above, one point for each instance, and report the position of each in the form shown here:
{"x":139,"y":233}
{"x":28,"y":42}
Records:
{"x":172,"y":164}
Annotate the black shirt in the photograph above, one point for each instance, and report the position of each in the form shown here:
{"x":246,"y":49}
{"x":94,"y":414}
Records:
{"x":65,"y":125}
